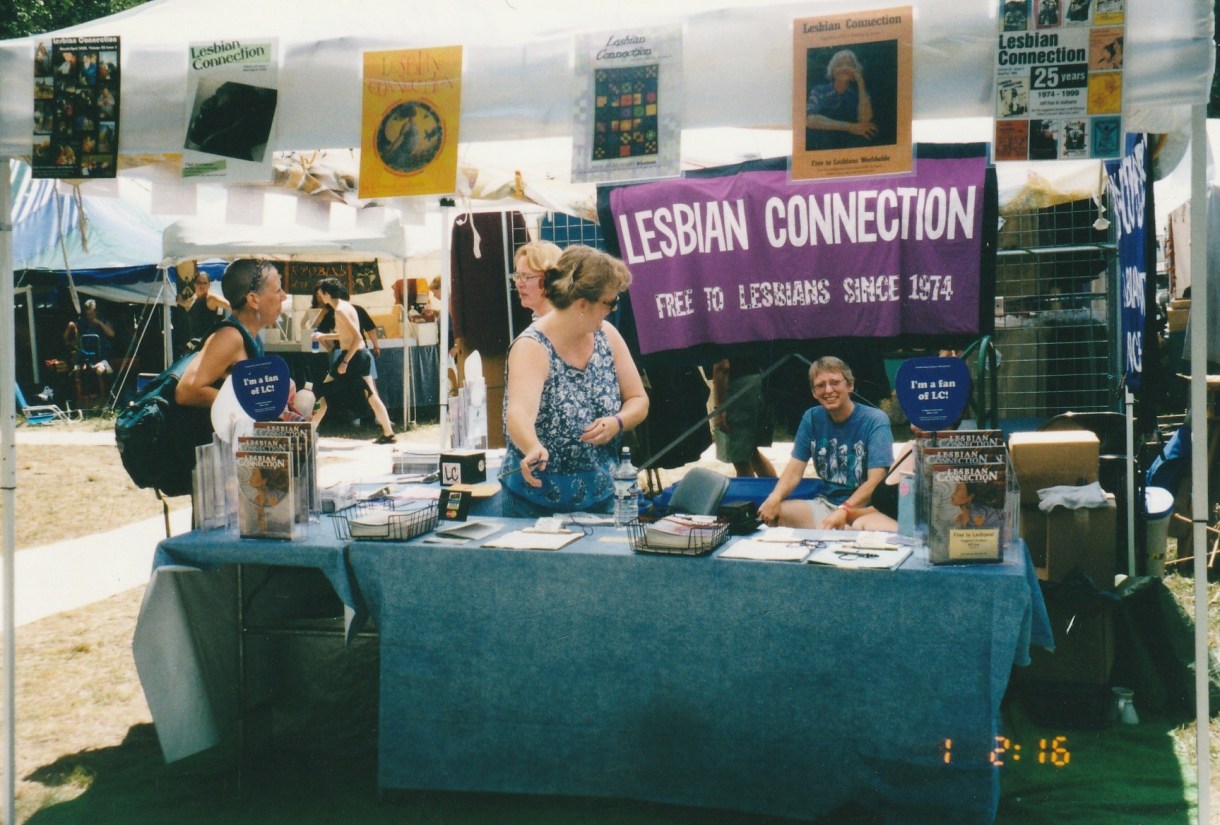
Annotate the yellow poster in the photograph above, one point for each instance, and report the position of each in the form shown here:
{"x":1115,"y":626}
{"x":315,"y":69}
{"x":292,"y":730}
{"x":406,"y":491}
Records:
{"x":409,"y":122}
{"x":851,"y":94}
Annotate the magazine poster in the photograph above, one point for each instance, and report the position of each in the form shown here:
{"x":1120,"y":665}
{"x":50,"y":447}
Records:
{"x":262,"y":443}
{"x":628,"y":107}
{"x":232,"y":98}
{"x":412,"y":102}
{"x":305,"y":464}
{"x":968,"y":514}
{"x":266,"y":505}
{"x":927,"y":457}
{"x":76,"y":108}
{"x":851,"y":94}
{"x":1059,"y":79}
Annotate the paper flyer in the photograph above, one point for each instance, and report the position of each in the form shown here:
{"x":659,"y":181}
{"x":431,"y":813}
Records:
{"x":230,"y":120}
{"x":1059,"y":79}
{"x":409,"y":122}
{"x":851,"y":94}
{"x":628,"y":107}
{"x":76,"y":108}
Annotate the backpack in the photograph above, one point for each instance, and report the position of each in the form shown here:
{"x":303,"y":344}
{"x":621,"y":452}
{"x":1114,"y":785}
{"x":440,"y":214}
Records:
{"x":157,"y":438}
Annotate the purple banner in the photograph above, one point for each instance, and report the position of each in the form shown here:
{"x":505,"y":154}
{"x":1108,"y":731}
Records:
{"x":753,"y":257}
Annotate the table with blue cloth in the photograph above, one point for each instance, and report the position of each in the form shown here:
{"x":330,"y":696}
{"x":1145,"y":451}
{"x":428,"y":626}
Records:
{"x":208,"y":587}
{"x":768,"y":687}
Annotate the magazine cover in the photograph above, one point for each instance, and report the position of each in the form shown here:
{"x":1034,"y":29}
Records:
{"x":410,"y":113}
{"x":628,"y":108}
{"x":230,"y":119}
{"x":851,"y":94}
{"x":305,"y":465}
{"x":1059,"y":79}
{"x":76,"y":108}
{"x":929,"y":457}
{"x":265,"y":504}
{"x":968,"y":519}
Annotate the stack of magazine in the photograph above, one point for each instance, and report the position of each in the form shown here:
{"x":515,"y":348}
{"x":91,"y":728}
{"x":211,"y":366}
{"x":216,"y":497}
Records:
{"x":966,"y":496}
{"x":276,"y":473}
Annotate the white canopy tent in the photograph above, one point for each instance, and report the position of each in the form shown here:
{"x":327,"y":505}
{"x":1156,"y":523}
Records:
{"x":517,"y":84}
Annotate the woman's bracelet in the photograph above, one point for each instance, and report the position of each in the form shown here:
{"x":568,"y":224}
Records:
{"x":619,"y":419}
{"x":845,"y":508}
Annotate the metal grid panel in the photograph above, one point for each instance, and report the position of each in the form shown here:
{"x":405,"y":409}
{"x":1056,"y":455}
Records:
{"x":1055,"y":311}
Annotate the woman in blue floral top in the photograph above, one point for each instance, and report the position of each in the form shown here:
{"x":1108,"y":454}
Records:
{"x":573,"y":390}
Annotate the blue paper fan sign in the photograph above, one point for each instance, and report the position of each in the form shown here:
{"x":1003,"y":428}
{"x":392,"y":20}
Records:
{"x":261,"y":386}
{"x":932,"y":391}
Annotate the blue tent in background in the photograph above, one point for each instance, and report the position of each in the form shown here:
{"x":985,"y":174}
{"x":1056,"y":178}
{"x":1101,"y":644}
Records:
{"x":111,"y":248}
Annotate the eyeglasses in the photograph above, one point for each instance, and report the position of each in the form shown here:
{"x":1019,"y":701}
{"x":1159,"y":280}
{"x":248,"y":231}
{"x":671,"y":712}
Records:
{"x":831,"y":384}
{"x":611,"y":304}
{"x":521,"y":277}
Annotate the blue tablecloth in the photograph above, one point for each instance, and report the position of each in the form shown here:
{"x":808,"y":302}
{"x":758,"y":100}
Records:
{"x":777,"y":688}
{"x":768,"y":687}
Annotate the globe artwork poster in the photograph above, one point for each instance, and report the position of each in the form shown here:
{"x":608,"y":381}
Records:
{"x":409,"y":129}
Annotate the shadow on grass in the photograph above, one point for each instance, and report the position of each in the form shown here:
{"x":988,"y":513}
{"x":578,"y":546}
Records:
{"x":1115,"y":775}
{"x":130,"y":784}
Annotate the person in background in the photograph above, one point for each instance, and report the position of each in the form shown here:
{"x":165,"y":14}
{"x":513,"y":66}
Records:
{"x":90,"y":323}
{"x":573,"y":391}
{"x":740,"y":428}
{"x":207,"y":306}
{"x":180,"y":320}
{"x":851,"y":447}
{"x":351,"y":370}
{"x":253,"y":290}
{"x":531,"y":262}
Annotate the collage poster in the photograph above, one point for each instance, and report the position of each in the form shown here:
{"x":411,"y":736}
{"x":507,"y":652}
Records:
{"x":851,"y":94}
{"x":628,"y":108}
{"x":412,"y":103}
{"x":76,"y":108}
{"x":1059,"y":79}
{"x":230,"y":119}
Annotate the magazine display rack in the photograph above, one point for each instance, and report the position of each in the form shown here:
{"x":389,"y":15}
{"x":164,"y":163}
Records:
{"x":379,"y":519}
{"x":698,"y":540}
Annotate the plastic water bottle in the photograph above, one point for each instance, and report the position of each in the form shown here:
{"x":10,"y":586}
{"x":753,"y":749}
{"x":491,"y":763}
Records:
{"x":305,"y":400}
{"x":626,"y":490}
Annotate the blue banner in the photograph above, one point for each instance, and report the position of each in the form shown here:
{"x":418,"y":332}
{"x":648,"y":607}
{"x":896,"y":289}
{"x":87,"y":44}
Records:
{"x":1128,"y":178}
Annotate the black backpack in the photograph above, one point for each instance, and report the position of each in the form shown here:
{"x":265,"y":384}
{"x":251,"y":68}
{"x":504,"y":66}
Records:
{"x":157,"y":438}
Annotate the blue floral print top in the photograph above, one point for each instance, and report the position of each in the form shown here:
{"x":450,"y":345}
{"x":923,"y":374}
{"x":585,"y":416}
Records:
{"x":578,"y":475}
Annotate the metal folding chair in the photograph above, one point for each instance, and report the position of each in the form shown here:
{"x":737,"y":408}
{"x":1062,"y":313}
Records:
{"x":43,"y":413}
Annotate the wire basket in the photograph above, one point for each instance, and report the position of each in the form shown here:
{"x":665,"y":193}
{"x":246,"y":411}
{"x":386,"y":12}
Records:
{"x":699,"y":541}
{"x":379,"y":519}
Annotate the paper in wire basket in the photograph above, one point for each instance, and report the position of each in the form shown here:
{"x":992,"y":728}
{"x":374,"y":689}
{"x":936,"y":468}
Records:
{"x":678,"y":534}
{"x":384,"y":519}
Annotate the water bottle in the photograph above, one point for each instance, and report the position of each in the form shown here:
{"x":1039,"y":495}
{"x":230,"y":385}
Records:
{"x":626,"y":490}
{"x":305,"y":400}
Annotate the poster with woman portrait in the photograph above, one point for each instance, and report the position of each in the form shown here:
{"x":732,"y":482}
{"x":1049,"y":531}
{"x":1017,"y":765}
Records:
{"x":851,"y":96}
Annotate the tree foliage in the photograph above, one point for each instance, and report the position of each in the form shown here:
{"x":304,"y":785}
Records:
{"x":19,"y":18}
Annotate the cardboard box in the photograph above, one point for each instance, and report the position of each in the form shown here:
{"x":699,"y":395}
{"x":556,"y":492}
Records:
{"x":1083,"y":629}
{"x":1052,"y":458}
{"x":1063,"y":541}
{"x":463,"y":467}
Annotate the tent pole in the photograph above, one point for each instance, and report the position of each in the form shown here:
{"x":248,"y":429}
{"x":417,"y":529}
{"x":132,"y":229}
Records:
{"x":1198,"y":459}
{"x":8,"y":484}
{"x":443,"y":335}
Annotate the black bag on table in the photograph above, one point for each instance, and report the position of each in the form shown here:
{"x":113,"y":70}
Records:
{"x":157,"y":438}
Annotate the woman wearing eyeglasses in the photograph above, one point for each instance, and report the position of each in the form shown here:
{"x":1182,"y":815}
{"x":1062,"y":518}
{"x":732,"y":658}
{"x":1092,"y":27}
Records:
{"x":531,"y":263}
{"x":573,"y":391}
